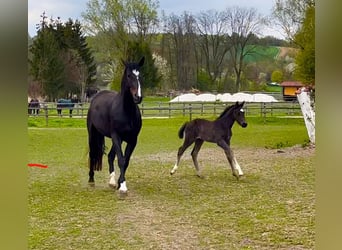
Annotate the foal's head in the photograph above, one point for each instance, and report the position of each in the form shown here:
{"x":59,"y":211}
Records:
{"x":239,"y":114}
{"x":131,"y":80}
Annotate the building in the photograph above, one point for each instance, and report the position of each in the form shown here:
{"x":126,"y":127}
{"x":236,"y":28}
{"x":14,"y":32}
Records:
{"x":289,"y":90}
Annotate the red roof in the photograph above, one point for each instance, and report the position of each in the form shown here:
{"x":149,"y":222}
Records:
{"x":291,"y":84}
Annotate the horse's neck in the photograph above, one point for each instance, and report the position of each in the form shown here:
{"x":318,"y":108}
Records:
{"x":226,"y":121}
{"x":128,"y":104}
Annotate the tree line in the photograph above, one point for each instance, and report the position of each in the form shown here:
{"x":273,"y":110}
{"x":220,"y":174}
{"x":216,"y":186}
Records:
{"x":60,"y":62}
{"x":208,"y":50}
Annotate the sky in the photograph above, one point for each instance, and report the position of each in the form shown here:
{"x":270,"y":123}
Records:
{"x":66,"y":9}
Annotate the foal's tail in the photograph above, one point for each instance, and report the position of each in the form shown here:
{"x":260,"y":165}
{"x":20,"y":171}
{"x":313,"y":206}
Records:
{"x":96,"y":149}
{"x":181,"y":130}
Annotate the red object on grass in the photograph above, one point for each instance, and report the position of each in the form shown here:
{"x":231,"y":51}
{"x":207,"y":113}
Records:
{"x":37,"y":165}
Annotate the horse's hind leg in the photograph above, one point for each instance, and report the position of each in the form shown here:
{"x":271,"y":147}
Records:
{"x":111,"y":157}
{"x":194,"y":153}
{"x":91,"y":180}
{"x":181,"y":150}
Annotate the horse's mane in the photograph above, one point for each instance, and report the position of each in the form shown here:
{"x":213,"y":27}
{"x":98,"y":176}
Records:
{"x":226,"y":111}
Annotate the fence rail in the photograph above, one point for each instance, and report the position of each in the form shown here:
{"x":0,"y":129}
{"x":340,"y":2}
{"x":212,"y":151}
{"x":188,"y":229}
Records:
{"x":168,"y":110}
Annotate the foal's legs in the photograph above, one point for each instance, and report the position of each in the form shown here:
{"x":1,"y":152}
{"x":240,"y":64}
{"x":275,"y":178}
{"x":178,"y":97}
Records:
{"x":194,"y":153}
{"x":111,"y":157}
{"x":181,"y":150}
{"x":231,"y":159}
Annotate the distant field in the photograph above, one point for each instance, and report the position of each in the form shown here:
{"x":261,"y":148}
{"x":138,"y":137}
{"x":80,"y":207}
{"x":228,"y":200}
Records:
{"x":263,"y":53}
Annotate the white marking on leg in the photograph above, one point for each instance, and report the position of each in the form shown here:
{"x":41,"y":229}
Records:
{"x":123,"y":187}
{"x":174,"y":169}
{"x":112,"y":180}
{"x":237,"y":166}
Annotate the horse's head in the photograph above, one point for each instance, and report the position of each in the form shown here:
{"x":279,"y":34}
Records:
{"x":132,"y":81}
{"x":239,"y":114}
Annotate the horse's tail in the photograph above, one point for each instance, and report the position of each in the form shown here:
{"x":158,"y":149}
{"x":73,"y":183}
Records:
{"x":96,"y":148}
{"x":181,"y":130}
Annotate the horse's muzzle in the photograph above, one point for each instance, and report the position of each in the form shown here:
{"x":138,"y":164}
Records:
{"x":137,"y":99}
{"x":244,"y":125}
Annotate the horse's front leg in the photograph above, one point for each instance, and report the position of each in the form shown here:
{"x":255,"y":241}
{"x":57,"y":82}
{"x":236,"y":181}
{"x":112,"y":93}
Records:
{"x":116,"y":149}
{"x":128,"y":152}
{"x":236,"y":169}
{"x":112,"y":178}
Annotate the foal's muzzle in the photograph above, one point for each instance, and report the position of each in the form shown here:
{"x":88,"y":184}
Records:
{"x":244,"y":124}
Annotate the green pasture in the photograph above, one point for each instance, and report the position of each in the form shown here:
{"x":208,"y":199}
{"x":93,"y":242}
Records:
{"x":271,"y":207}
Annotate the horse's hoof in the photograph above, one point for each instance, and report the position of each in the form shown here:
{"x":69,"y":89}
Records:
{"x":236,"y":175}
{"x":111,"y":185}
{"x":200,"y":176}
{"x":241,"y":177}
{"x":123,"y":194}
{"x":91,"y":184}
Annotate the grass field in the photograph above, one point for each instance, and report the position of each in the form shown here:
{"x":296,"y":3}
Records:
{"x":272,"y":207}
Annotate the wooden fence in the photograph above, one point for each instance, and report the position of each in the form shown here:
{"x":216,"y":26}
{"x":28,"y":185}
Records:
{"x":192,"y":110}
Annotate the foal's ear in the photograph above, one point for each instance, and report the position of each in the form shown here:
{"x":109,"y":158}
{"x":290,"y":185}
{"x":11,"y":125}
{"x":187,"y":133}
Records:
{"x":141,"y":62}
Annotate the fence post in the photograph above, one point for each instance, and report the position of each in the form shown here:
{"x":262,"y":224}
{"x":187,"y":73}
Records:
{"x":46,"y":115}
{"x":169,"y":109}
{"x":190,"y":111}
{"x":263,"y":111}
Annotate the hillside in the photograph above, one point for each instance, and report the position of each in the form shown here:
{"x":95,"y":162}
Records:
{"x":263,"y":53}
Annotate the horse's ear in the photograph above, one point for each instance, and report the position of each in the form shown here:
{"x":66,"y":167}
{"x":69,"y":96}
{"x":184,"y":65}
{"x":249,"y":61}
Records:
{"x":141,"y":62}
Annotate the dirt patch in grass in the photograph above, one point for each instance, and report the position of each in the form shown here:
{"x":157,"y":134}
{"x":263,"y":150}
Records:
{"x":272,"y":218}
{"x":151,"y":225}
{"x":272,"y":207}
{"x":248,"y":158}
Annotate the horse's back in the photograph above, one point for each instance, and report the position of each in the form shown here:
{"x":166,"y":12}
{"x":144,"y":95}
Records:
{"x":200,"y":128}
{"x":103,"y":99}
{"x":99,"y":112}
{"x":64,"y":103}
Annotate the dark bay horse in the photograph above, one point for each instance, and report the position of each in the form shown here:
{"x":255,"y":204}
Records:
{"x":117,"y":116}
{"x":218,"y":131}
{"x":33,"y":107}
{"x":66,"y":104}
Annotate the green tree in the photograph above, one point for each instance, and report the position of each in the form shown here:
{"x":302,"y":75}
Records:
{"x":289,"y":15}
{"x":277,"y":76}
{"x":60,"y":59}
{"x":118,"y":27}
{"x":243,"y":24}
{"x":305,"y":59}
{"x":46,"y":66}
